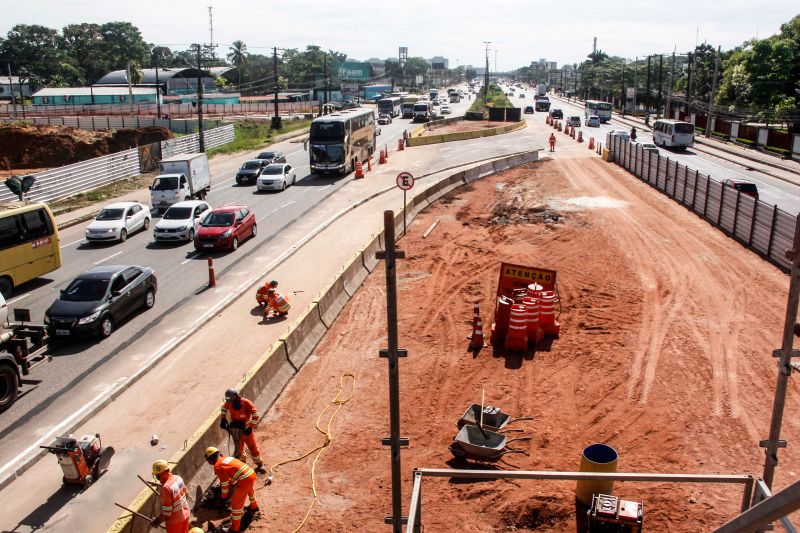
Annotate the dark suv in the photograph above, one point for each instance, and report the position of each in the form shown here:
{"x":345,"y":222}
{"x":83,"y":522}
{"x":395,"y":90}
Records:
{"x":557,"y":114}
{"x":272,"y":157}
{"x":250,"y":171}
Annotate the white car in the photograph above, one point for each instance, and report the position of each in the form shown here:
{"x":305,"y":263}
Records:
{"x":593,"y":121}
{"x":180,"y":221}
{"x":574,"y":121}
{"x":276,"y":177}
{"x":445,"y":110}
{"x":622,"y":134}
{"x":649,"y":147}
{"x":116,"y":222}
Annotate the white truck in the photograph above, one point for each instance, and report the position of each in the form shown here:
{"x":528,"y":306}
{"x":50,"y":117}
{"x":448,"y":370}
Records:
{"x":541,"y":89}
{"x":182,"y":177}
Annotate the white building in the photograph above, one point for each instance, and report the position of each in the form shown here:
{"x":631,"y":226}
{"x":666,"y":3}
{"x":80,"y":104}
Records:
{"x":439,"y":62}
{"x":11,"y":85}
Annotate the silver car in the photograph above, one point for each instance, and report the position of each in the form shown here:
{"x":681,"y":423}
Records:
{"x":180,"y":221}
{"x":116,"y":221}
{"x":276,"y":177}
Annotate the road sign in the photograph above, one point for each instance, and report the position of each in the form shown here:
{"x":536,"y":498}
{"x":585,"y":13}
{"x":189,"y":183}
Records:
{"x":405,"y":181}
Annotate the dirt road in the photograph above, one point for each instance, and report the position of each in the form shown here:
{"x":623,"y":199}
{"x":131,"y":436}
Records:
{"x":665,"y":354}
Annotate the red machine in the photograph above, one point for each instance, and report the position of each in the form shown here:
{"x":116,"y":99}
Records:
{"x":609,"y":514}
{"x":82,"y":461}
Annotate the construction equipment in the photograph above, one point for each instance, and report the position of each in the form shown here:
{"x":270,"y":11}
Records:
{"x":23,"y":347}
{"x":481,"y":445}
{"x":82,"y":461}
{"x":609,"y":514}
{"x":494,"y":419}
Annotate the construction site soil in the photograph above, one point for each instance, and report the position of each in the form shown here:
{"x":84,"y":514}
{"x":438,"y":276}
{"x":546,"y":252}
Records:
{"x":462,"y":126}
{"x":664,"y":354}
{"x":32,"y":147}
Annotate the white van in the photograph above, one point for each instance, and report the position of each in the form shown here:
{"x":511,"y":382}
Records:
{"x":673,"y":133}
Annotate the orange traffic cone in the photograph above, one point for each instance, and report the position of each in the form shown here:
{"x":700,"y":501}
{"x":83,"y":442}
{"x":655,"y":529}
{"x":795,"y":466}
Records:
{"x":580,"y":136}
{"x":386,"y":152}
{"x":591,"y":143}
{"x":559,"y":125}
{"x":400,"y":145}
{"x":566,"y":130}
{"x":359,"y":170}
{"x":572,"y":132}
{"x":477,"y":335}
{"x":382,"y":158}
{"x":369,"y":163}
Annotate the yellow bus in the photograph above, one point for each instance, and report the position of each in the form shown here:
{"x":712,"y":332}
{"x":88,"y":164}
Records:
{"x":29,"y":245}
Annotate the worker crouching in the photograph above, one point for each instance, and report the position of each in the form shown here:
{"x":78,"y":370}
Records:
{"x":237,"y":479}
{"x":239,"y":417}
{"x":174,"y":496}
{"x":277,"y":303}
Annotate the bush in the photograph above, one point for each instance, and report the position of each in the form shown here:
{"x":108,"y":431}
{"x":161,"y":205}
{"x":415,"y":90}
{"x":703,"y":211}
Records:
{"x":719,"y":135}
{"x":777,"y":150}
{"x":748,"y":142}
{"x":251,"y":135}
{"x":494,"y":98}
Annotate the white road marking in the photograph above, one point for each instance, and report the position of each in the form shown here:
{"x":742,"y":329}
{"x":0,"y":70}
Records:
{"x":107,"y":258}
{"x":286,"y":204}
{"x":18,"y":298}
{"x":323,"y":188}
{"x":192,"y":256}
{"x":71,"y":243}
{"x":268,"y":213}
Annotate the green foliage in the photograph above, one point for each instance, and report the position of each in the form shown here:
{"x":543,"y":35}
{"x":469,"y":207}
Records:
{"x":777,"y":150}
{"x":250,"y":136}
{"x":745,"y":141}
{"x":495,"y":97}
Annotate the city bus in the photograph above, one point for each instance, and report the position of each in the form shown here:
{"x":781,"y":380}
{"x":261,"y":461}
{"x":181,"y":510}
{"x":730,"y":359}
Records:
{"x":338,"y":140}
{"x":673,"y":134}
{"x":29,"y":245}
{"x":390,"y":106}
{"x":596,"y":107}
{"x":407,"y":107}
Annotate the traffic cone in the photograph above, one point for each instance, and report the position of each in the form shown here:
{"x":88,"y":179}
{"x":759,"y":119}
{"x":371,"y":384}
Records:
{"x":477,"y":335}
{"x":212,"y":278}
{"x":559,"y":126}
{"x":382,"y":158}
{"x":359,"y":170}
{"x":591,"y":143}
{"x":386,"y":151}
{"x":580,"y":136}
{"x":566,"y":130}
{"x":400,"y":145}
{"x":572,"y":132}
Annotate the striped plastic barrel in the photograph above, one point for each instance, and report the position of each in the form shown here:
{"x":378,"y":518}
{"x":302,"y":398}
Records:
{"x":535,"y":290}
{"x":547,"y":313}
{"x":517,"y":336}
{"x":501,"y":318}
{"x":532,"y":315}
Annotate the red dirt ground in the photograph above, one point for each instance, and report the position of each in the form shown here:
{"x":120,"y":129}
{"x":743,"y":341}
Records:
{"x":665,"y":354}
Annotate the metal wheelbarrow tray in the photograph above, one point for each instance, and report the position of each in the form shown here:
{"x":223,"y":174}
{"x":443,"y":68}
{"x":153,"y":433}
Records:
{"x":470,"y":443}
{"x":494,"y":419}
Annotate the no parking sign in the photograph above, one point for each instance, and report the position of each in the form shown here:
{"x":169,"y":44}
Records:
{"x":405,"y":181}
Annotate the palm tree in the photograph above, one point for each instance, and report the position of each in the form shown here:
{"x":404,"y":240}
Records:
{"x":238,"y":57}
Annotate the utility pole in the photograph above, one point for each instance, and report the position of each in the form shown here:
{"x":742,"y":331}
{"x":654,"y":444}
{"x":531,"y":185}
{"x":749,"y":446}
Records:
{"x":158,"y":94}
{"x":11,"y":87}
{"x":711,"y":97}
{"x":276,"y":118}
{"x":635,"y":86}
{"x":668,"y":113}
{"x":647,"y":104}
{"x":622,"y":99}
{"x":486,"y":74}
{"x":200,"y":130}
{"x":660,"y":83}
{"x":689,"y":81}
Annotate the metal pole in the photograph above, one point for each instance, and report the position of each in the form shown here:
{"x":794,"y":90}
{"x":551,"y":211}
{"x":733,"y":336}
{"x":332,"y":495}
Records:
{"x":11,"y":88}
{"x":668,"y":113}
{"x":660,"y":83}
{"x":404,"y":212}
{"x":772,"y":444}
{"x":689,"y":89}
{"x":765,"y":512}
{"x":623,"y":99}
{"x":158,"y":95}
{"x":276,"y":120}
{"x":635,"y":87}
{"x":393,"y":353}
{"x":200,"y":132}
{"x":647,"y":105}
{"x":711,"y":97}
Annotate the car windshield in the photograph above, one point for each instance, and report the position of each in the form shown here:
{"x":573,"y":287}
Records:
{"x":165,"y":184}
{"x":218,"y":220}
{"x":177,"y":213}
{"x":85,"y":290}
{"x":273,"y":171}
{"x":266,"y":155}
{"x":684,"y":128}
{"x":747,"y":187}
{"x":327,"y":153}
{"x":251,"y":165}
{"x":326,"y":131}
{"x":110,"y":214}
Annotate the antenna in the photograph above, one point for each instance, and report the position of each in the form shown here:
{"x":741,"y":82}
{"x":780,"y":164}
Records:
{"x":594,"y":46}
{"x":211,"y":26}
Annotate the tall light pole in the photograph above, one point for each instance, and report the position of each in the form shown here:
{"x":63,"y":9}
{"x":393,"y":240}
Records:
{"x":486,"y":74}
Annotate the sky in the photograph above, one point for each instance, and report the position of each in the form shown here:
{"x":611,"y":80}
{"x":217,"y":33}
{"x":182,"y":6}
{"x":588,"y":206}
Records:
{"x":520,"y":31}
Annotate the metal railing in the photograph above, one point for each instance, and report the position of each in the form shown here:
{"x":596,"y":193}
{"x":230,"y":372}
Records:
{"x":62,"y":182}
{"x":765,"y":229}
{"x":766,"y":509}
{"x":415,"y":508}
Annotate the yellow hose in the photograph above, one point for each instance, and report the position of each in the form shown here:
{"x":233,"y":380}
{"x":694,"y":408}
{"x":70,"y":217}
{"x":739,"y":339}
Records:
{"x":337,"y":401}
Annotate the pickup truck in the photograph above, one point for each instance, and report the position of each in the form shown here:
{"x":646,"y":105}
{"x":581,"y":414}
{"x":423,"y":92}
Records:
{"x":182,"y":177}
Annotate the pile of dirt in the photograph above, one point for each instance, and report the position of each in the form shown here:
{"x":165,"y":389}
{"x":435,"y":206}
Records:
{"x":32,"y":146}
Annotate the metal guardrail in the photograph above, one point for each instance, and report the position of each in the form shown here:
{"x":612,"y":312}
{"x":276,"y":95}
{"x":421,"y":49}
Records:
{"x":766,"y":508}
{"x":765,"y":229}
{"x":94,"y":123}
{"x":62,"y":182}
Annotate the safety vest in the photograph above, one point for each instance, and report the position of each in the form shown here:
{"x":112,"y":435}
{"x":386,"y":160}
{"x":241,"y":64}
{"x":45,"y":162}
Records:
{"x":230,"y":471}
{"x":174,"y":499}
{"x":246,"y":413}
{"x":261,"y":294}
{"x":280,"y":302}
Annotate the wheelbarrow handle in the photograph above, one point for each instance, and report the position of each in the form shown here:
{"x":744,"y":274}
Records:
{"x":520,"y":418}
{"x":511,"y":431}
{"x":518,"y":438}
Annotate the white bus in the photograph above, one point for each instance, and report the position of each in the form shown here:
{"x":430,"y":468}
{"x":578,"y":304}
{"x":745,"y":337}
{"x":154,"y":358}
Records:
{"x":673,"y":133}
{"x":596,"y":107}
{"x":338,"y":140}
{"x":390,"y":106}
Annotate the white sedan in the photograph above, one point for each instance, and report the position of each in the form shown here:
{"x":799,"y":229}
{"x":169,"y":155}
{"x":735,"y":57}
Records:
{"x":180,"y":221}
{"x":276,"y":177}
{"x":445,"y":110}
{"x":116,"y":221}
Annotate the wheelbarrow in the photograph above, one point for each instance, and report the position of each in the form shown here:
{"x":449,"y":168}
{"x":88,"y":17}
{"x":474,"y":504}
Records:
{"x":494,"y":419}
{"x":482,"y":445}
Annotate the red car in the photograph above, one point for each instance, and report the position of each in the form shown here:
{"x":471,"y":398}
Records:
{"x":224,"y":228}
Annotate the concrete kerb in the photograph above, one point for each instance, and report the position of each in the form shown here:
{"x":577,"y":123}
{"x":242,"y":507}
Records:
{"x":304,"y":336}
{"x":368,"y":254}
{"x":331,"y":300}
{"x":355,"y":272}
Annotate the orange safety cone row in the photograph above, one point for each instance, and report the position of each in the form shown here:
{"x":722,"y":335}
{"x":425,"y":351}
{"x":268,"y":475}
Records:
{"x":359,"y":170}
{"x":400,"y":145}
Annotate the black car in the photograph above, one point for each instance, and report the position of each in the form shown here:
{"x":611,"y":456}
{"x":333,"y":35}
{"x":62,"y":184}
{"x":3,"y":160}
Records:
{"x":270,"y":157}
{"x":557,"y":113}
{"x":99,"y":298}
{"x":529,"y":109}
{"x":250,"y":171}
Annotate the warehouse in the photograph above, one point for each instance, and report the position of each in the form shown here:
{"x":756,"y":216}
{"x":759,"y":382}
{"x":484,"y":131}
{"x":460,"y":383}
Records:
{"x":93,"y":95}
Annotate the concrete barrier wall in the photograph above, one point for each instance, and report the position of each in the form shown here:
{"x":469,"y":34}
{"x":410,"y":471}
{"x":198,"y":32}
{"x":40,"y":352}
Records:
{"x":275,"y":369}
{"x":417,"y":140}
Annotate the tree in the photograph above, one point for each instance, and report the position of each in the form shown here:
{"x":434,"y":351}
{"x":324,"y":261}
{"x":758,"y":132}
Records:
{"x":238,"y":57}
{"x":84,"y":44}
{"x":36,"y":52}
{"x":161,"y":56}
{"x":183,"y":59}
{"x":122,"y":42}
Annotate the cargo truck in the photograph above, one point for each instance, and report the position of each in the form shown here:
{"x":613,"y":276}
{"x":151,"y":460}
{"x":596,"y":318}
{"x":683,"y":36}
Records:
{"x":541,"y":90}
{"x":182,"y":177}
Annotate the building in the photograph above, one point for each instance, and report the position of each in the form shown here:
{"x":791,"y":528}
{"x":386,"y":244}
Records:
{"x":371,"y":91}
{"x":544,"y":65}
{"x":94,"y":95}
{"x":438,"y":63}
{"x":212,"y":98}
{"x":173,"y":81}
{"x":12,"y":85}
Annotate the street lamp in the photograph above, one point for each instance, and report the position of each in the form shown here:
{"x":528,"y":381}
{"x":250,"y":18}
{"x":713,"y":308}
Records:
{"x":486,"y":74}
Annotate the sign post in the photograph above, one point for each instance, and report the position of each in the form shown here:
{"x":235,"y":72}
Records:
{"x":405,"y":181}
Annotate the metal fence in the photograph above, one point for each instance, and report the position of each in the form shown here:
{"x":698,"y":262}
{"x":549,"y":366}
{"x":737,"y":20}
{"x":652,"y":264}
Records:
{"x":62,"y":182}
{"x":94,"y":123}
{"x":186,"y":109}
{"x":764,"y":228}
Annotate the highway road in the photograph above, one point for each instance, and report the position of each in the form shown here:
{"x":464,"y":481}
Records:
{"x":785,"y":193}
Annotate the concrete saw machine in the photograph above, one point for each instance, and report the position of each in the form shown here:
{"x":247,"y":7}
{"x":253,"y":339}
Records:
{"x":82,"y":460}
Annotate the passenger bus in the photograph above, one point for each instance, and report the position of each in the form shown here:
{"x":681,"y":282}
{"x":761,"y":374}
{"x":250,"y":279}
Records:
{"x":407,"y":107}
{"x":673,"y":134}
{"x":596,"y":107}
{"x":29,"y":245}
{"x":338,"y":140}
{"x":390,"y":106}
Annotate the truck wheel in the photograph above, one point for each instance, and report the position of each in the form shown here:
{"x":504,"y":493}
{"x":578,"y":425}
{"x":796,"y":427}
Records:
{"x":6,"y":286}
{"x":9,"y":386}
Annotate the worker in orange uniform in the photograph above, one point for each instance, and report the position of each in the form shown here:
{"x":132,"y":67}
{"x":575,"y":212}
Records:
{"x":261,"y":293}
{"x":276,"y":302}
{"x":552,"y":141}
{"x":174,"y":495}
{"x":239,"y":417}
{"x":236,"y":478}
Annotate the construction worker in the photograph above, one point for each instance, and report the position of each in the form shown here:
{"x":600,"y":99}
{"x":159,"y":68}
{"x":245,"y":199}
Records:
{"x":261,"y":293}
{"x":276,"y":302}
{"x":552,"y":142}
{"x":239,"y":417}
{"x":175,"y":511}
{"x":237,"y":479}
{"x":633,"y":134}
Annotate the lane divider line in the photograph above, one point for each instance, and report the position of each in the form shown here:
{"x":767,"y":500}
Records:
{"x":107,"y":258}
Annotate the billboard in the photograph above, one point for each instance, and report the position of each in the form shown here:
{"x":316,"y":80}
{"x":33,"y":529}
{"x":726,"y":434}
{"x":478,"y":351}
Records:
{"x":353,"y":70}
{"x":437,"y":66}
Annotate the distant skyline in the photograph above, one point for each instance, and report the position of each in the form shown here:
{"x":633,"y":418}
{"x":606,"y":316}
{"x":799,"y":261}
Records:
{"x":520,"y":32}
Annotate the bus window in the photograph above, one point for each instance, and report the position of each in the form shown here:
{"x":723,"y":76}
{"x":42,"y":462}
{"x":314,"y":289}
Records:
{"x":10,"y":232}
{"x":36,"y":225}
{"x":684,"y":128}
